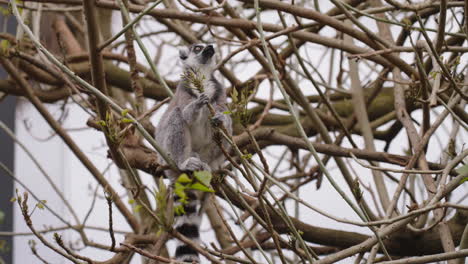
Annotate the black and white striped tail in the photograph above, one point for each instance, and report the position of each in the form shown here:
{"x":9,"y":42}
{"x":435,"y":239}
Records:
{"x":189,"y":226}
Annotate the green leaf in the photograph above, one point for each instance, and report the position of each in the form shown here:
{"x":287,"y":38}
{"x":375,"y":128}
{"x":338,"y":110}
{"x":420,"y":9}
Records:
{"x":179,"y":190}
{"x":200,"y":187}
{"x":184,"y":178}
{"x":160,"y":195}
{"x":159,"y":232}
{"x":40,"y":206}
{"x":227,"y":112}
{"x":124,"y":112}
{"x":102,"y":123}
{"x":407,"y":21}
{"x":463,"y":170}
{"x":234,"y":94}
{"x":5,"y":11}
{"x":4,"y":45}
{"x":137,"y":208}
{"x":13,"y":199}
{"x":127,"y":120}
{"x":2,"y":216}
{"x":247,"y":156}
{"x":203,"y":176}
{"x":162,"y":186}
{"x":131,"y":201}
{"x":179,"y":210}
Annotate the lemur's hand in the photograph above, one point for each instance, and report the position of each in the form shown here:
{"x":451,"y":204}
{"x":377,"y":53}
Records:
{"x":203,"y":99}
{"x":218,"y":119}
{"x":192,"y":111}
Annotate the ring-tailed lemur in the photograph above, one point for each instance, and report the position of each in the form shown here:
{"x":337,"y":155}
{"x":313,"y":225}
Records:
{"x":186,"y":133}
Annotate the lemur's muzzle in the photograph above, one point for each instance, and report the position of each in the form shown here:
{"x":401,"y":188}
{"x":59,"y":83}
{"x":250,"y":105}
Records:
{"x":208,"y":52}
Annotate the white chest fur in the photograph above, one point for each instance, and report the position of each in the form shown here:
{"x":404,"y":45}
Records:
{"x":209,"y":87}
{"x":201,"y":131}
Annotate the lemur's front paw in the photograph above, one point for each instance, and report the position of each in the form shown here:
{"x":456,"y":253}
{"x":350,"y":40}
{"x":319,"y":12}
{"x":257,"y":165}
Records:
{"x":194,"y":164}
{"x":203,"y":99}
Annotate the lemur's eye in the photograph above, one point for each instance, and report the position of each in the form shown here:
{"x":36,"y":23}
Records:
{"x":197,"y":49}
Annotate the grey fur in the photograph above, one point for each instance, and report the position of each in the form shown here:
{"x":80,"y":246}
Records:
{"x":185,"y":129}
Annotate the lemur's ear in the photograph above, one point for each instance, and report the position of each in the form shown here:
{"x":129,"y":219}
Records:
{"x":183,"y":54}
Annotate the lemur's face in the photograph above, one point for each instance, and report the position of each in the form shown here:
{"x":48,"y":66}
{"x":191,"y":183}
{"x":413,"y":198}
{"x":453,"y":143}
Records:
{"x":199,"y":57}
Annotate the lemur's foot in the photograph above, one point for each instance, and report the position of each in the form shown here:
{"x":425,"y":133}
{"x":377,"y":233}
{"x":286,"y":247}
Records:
{"x":194,"y":164}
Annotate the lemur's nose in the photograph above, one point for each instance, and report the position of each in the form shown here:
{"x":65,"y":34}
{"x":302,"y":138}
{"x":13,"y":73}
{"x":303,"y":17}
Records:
{"x":208,"y":51}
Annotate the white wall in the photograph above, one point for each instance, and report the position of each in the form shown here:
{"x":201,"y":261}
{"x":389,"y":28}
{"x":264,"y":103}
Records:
{"x":70,"y":176}
{"x":52,"y":155}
